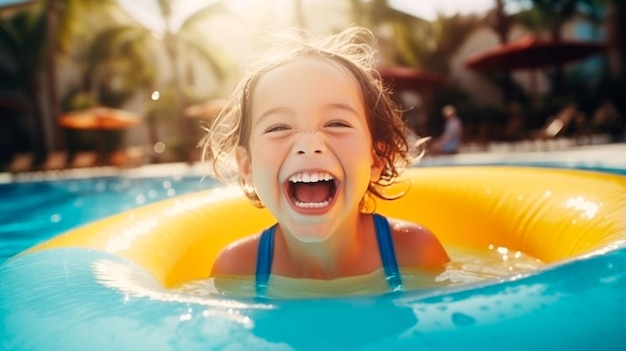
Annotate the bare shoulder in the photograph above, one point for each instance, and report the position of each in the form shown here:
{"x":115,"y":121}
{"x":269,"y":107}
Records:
{"x":416,"y":245}
{"x":238,"y":258}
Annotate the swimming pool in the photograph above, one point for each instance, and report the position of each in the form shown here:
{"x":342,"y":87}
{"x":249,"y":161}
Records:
{"x":69,"y":203}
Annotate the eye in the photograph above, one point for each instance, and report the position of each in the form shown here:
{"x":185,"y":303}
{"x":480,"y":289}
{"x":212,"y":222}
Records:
{"x":337,"y":124}
{"x":276,"y":128}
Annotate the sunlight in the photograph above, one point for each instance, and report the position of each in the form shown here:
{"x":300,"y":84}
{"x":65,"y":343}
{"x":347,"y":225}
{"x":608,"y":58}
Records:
{"x":430,"y":9}
{"x":147,"y":12}
{"x":277,"y":13}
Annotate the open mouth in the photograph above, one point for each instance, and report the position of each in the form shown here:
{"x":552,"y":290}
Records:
{"x":312,"y":190}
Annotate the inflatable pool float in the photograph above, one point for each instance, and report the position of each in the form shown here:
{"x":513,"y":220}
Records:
{"x":109,"y":284}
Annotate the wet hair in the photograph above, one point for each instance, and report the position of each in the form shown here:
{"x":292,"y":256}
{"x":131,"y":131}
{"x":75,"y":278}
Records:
{"x":354,"y":49}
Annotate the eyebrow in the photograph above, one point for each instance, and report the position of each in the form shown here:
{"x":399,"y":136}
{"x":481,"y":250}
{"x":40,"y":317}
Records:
{"x":343,"y":107}
{"x":331,"y":106}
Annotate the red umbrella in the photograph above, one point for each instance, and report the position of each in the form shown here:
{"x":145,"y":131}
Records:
{"x":532,"y":52}
{"x":100,"y":118}
{"x":408,"y":78}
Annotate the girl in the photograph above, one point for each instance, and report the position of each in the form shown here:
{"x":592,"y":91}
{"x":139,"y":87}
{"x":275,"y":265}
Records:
{"x":315,"y":137}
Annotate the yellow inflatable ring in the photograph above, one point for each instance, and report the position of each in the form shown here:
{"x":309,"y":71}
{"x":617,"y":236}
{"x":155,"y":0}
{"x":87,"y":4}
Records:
{"x":574,"y":220}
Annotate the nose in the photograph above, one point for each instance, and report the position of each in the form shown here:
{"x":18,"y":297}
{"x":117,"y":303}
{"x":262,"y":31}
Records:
{"x":310,"y":142}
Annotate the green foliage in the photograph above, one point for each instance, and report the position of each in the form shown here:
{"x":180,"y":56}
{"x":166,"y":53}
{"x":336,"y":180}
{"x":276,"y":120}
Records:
{"x":76,"y":99}
{"x":450,"y":33}
{"x":22,"y":48}
{"x":72,"y":30}
{"x":422,"y":44}
{"x":550,"y":15}
{"x":118,"y":64}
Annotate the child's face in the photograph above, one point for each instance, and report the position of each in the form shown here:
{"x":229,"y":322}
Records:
{"x":310,"y":152}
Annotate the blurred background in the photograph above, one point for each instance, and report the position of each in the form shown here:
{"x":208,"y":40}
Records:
{"x":129,"y":82}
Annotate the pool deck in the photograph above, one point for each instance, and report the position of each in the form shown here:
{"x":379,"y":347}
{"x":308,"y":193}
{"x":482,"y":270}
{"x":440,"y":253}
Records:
{"x":604,"y":155}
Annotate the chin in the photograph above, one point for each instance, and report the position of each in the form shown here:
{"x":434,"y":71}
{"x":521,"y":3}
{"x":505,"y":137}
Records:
{"x":312,"y":234}
{"x":311,"y":238}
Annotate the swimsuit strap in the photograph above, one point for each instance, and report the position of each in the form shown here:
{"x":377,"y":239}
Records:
{"x":264,"y":260}
{"x":385,"y":245}
{"x":387,"y":253}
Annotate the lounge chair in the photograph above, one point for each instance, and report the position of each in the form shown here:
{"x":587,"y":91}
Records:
{"x":558,"y":123}
{"x":21,"y":162}
{"x":132,"y":156}
{"x":56,"y":160}
{"x":84,"y":159}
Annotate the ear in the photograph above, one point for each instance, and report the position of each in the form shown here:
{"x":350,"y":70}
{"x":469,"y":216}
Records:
{"x":376,"y":169}
{"x":244,"y":163}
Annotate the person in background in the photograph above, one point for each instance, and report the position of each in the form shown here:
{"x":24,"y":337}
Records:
{"x":450,"y":140}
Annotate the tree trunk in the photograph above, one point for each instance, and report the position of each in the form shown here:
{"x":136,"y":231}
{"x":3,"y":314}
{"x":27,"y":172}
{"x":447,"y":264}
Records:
{"x":558,"y":81}
{"x":502,"y":26}
{"x":50,"y":71}
{"x":619,"y":34}
{"x":183,"y":125}
{"x":38,"y":136}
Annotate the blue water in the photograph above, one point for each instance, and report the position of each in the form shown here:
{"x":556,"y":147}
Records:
{"x":580,"y":305}
{"x":31,"y":212}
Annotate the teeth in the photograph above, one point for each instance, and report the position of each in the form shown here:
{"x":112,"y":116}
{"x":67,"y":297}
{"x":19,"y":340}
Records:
{"x":311,"y":204}
{"x":303,"y":177}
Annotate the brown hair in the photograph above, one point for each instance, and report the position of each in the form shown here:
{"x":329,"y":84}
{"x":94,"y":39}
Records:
{"x":353,"y":49}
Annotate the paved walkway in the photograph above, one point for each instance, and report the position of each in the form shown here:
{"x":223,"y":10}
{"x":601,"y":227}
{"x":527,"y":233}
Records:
{"x":607,"y":155}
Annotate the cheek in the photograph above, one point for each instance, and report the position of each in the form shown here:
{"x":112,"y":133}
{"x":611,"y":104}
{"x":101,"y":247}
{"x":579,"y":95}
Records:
{"x":266,"y":159}
{"x":267,"y":151}
{"x":355,"y":151}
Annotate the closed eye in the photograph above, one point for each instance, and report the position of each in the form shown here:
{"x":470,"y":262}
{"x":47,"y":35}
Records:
{"x":277,"y":128}
{"x":338,"y":124}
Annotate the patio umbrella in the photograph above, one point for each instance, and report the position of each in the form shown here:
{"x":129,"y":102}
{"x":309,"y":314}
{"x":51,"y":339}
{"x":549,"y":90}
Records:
{"x":531,"y":52}
{"x":100,"y":119}
{"x":409,"y":78}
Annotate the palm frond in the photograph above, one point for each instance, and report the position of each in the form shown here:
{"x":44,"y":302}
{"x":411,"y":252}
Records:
{"x":210,"y":57}
{"x":206,"y":12}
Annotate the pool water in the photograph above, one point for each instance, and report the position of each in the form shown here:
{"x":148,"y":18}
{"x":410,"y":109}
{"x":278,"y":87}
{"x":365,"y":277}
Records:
{"x":466,"y":266}
{"x":579,"y":305}
{"x":32,"y":212}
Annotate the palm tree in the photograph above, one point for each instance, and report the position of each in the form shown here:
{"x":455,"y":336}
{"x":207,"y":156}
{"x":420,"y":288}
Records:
{"x":64,"y":29}
{"x":127,"y":51}
{"x":122,"y":55}
{"x":501,"y":24}
{"x":22,"y":42}
{"x":188,"y":39}
{"x":550,"y":16}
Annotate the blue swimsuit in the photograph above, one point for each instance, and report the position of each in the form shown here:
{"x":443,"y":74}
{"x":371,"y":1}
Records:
{"x":385,"y":246}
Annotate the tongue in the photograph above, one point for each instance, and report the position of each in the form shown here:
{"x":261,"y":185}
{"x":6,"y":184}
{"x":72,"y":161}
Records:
{"x":312,"y":192}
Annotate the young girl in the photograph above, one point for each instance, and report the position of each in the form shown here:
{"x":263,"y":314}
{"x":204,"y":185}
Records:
{"x":315,"y":137}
